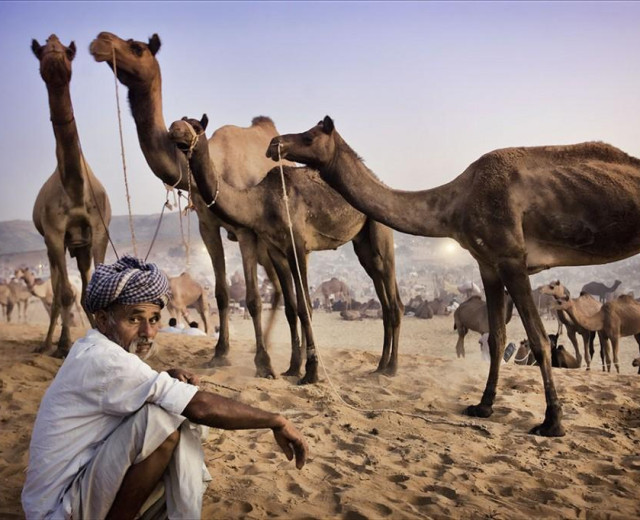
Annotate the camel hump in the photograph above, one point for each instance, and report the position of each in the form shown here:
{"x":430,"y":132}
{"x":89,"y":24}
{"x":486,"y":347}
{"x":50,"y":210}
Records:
{"x":262,"y":120}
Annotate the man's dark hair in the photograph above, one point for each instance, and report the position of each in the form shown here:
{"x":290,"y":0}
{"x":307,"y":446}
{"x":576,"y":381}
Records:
{"x":193,"y":324}
{"x":172,"y":322}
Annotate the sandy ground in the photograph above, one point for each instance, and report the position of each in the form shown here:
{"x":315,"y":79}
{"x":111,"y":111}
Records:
{"x":380,"y":447}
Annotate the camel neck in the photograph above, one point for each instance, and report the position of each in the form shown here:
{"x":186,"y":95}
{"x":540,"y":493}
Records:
{"x":238,"y":207}
{"x":157,"y":148}
{"x":68,"y":153}
{"x":426,"y":213}
{"x":594,"y":322}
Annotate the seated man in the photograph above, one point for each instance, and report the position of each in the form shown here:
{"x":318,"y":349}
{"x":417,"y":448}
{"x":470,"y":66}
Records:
{"x":110,"y":428}
{"x":172,"y":328}
{"x":193,"y":330}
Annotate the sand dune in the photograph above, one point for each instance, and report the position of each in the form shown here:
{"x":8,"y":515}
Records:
{"x":381,"y":447}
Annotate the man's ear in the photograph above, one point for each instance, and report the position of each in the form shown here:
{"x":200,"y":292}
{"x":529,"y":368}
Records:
{"x":102,"y":318}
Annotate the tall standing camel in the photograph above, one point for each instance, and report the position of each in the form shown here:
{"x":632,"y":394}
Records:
{"x":473,"y":314}
{"x":616,"y":319}
{"x":237,"y":154}
{"x":588,"y":305}
{"x":518,"y":211}
{"x":72,"y":210}
{"x":600,"y":290}
{"x":320,"y":219}
{"x":7,"y":301}
{"x":186,"y":292}
{"x":21,"y":295}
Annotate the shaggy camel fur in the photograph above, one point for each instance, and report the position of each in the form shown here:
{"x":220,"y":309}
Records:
{"x":600,"y":290}
{"x":518,"y":211}
{"x":186,"y":292}
{"x":473,"y":314}
{"x":237,"y":155}
{"x":72,"y":210}
{"x":320,"y":219}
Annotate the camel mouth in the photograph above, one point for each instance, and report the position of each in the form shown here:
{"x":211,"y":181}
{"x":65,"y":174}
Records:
{"x":100,"y":50}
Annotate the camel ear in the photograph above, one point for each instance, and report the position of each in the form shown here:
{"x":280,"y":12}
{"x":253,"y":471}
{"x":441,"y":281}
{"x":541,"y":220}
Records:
{"x":71,"y":51}
{"x":327,"y":125}
{"x":154,"y":44}
{"x":36,"y":48}
{"x":204,"y":122}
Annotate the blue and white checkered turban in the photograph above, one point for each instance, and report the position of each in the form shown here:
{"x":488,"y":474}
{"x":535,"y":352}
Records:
{"x":128,"y":281}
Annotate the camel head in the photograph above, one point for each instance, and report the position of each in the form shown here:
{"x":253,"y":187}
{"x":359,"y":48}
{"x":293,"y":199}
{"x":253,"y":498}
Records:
{"x":55,"y":60}
{"x":135,"y":61}
{"x":559,"y":292}
{"x":185,"y":132}
{"x":315,"y":147}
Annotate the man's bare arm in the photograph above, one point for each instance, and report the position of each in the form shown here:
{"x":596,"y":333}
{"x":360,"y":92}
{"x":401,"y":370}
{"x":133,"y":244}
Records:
{"x":220,"y":412}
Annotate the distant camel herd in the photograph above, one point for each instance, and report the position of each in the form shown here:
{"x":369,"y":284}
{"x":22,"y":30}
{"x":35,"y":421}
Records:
{"x":517,"y":211}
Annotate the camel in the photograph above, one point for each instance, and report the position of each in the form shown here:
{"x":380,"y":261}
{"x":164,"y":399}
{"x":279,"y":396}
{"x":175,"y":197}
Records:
{"x":588,"y":306}
{"x":614,"y":320}
{"x":636,"y":363}
{"x":600,"y":290}
{"x":186,"y":292}
{"x":21,"y":296}
{"x":43,"y":290}
{"x":517,"y":211}
{"x":320,"y":219}
{"x":560,"y":358}
{"x":72,"y":210}
{"x":333,"y":290}
{"x":473,"y":314}
{"x":7,"y":301}
{"x":237,"y":154}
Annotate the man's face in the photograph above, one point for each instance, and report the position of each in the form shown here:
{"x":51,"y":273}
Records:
{"x":133,"y":327}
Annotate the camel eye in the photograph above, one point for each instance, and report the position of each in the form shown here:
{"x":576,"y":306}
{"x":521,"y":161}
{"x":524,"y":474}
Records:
{"x":136,"y":48}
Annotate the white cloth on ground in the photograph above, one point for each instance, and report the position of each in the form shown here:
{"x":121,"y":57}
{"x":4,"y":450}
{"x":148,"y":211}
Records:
{"x":193,"y":331}
{"x":97,"y":387}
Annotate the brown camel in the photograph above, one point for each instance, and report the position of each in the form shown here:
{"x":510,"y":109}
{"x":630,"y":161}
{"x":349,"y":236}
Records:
{"x":43,"y":290}
{"x":616,"y":319}
{"x":21,"y":296}
{"x":600,"y":290}
{"x":588,"y":306}
{"x":72,"y":210}
{"x":473,"y":314}
{"x":335,"y":290}
{"x":237,"y":154}
{"x":560,"y":358}
{"x":186,"y":292}
{"x":320,"y":220}
{"x":7,"y":301}
{"x":517,"y":211}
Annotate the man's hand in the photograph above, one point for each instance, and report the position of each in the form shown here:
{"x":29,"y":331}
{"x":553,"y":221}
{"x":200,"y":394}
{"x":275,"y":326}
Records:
{"x":291,"y":442}
{"x":184,"y":376}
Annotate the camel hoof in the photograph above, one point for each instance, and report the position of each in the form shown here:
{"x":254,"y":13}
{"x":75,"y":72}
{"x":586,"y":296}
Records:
{"x":291,"y":373}
{"x":308,"y":379}
{"x":218,"y":362}
{"x":387,"y":371}
{"x":41,"y":349}
{"x":60,"y":353}
{"x":546,"y":430}
{"x":265,"y":372}
{"x":479,"y":410}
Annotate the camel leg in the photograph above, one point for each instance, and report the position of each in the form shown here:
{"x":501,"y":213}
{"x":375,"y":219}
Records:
{"x":462,"y":332}
{"x":202,"y":308}
{"x":266,"y":262}
{"x":571,"y":334}
{"x":587,"y":340}
{"x":283,"y":272}
{"x":304,"y":314}
{"x":62,"y":298}
{"x":517,"y":282}
{"x":637,"y":338}
{"x":605,"y":354}
{"x":374,"y":248}
{"x":213,"y":242}
{"x":615,"y":344}
{"x":494,"y":290}
{"x":247,"y":241}
{"x":83,"y":258}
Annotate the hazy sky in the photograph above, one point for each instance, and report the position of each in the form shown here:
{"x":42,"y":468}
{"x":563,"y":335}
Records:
{"x":419,"y":89}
